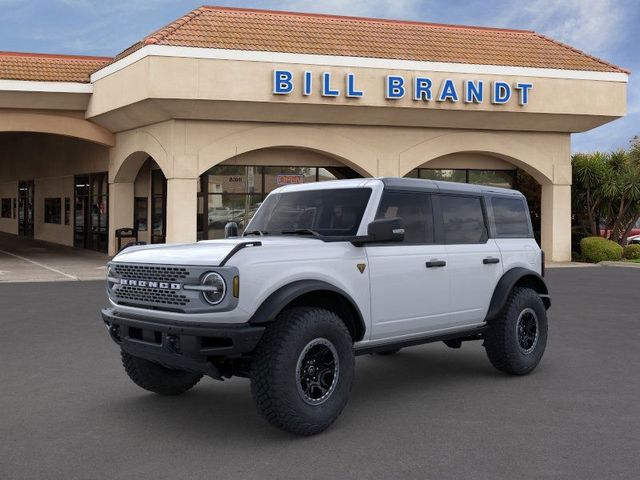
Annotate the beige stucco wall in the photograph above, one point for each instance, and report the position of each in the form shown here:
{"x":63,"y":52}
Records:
{"x":53,"y":187}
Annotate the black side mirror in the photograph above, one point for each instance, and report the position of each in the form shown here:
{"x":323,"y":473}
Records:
{"x":385,"y":230}
{"x":231,"y":230}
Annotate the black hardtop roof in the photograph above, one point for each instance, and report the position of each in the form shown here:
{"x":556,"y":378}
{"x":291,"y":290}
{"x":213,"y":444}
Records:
{"x":437,"y":186}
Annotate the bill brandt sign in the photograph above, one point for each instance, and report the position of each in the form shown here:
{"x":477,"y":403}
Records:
{"x":420,"y":88}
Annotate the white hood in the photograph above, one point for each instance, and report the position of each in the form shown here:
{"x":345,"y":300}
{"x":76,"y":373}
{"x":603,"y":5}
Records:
{"x":208,"y":252}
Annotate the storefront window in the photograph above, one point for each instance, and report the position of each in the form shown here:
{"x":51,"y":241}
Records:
{"x":233,"y":193}
{"x":494,"y":178}
{"x":141,"y":214}
{"x":6,"y":208}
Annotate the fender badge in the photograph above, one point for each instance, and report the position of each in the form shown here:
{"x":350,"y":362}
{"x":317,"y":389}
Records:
{"x":361,"y":267}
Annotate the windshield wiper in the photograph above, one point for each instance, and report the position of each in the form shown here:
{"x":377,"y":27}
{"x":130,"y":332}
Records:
{"x":300,"y":231}
{"x":255,"y":232}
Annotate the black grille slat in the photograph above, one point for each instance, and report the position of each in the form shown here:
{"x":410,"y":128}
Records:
{"x":153,"y":295}
{"x":152,"y":273}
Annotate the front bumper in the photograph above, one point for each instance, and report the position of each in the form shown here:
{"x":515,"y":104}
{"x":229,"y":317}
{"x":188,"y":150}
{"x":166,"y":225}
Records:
{"x":179,"y":345}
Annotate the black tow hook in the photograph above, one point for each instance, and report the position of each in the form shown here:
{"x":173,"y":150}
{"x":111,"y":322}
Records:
{"x":114,"y":332}
{"x":173,"y":343}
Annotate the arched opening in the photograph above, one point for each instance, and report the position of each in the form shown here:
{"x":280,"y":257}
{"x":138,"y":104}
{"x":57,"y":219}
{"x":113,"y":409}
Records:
{"x":233,"y":190}
{"x":485,"y":169}
{"x":53,"y":186}
{"x":140,"y":199}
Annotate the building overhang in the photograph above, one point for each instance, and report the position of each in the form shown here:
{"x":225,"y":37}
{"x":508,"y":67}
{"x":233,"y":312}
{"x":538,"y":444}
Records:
{"x":158,"y":83}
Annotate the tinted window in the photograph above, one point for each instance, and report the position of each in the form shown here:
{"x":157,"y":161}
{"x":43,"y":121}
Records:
{"x":463,"y":219}
{"x":510,"y":217}
{"x":415,"y":211}
{"x":331,"y":212}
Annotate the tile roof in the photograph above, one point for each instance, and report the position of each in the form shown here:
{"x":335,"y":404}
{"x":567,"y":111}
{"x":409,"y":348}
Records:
{"x":274,"y":31}
{"x":48,"y":68}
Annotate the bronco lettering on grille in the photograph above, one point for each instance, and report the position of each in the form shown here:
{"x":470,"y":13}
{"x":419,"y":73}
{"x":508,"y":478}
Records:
{"x":148,"y":284}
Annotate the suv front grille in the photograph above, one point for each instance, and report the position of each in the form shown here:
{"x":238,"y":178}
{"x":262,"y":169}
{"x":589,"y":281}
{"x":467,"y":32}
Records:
{"x":152,"y":296}
{"x":151,"y":272}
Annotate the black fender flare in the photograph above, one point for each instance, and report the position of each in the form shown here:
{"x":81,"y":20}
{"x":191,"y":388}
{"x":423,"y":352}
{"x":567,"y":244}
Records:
{"x":278,"y":300}
{"x":508,"y":281}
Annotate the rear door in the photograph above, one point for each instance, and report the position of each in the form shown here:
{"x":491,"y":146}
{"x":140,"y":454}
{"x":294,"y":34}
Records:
{"x":409,"y":280}
{"x":475,"y":263}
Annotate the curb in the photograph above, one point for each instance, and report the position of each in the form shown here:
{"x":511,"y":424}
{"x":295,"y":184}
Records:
{"x":620,"y":264}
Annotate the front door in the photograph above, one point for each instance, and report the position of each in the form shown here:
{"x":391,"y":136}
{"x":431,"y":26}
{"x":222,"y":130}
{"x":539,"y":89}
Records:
{"x":409,"y":280}
{"x":25,"y":208}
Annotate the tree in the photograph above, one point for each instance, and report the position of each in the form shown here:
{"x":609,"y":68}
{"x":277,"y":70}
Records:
{"x":607,"y":186}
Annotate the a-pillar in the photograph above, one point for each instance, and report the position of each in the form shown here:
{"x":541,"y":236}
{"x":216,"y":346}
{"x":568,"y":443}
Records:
{"x":120,"y":211}
{"x":182,"y":209}
{"x":556,"y":222}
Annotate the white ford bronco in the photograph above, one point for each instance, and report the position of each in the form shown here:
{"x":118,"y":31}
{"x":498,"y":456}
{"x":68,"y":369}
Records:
{"x":322,"y":273}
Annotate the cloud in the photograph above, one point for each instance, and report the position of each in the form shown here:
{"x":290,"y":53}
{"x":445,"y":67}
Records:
{"x":592,"y":25}
{"x":405,"y":9}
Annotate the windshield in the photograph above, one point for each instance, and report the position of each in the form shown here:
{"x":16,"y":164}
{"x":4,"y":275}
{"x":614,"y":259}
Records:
{"x":330,"y":212}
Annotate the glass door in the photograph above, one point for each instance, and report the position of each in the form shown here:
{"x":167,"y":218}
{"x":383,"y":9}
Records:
{"x":91,"y":226}
{"x":25,"y":208}
{"x":158,"y":207}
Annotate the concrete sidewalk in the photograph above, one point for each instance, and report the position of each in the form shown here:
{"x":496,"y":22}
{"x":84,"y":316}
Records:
{"x":28,"y":260}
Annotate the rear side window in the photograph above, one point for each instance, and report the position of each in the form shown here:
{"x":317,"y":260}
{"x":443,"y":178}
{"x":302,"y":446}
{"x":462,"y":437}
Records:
{"x":415,"y":211}
{"x":510,"y":217}
{"x":463,"y":220}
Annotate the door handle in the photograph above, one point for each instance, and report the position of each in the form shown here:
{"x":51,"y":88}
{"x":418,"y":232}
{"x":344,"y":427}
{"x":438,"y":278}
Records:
{"x":490,"y":260}
{"x":436,"y":263}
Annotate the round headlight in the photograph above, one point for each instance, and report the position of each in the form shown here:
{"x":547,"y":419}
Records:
{"x":216,"y":288}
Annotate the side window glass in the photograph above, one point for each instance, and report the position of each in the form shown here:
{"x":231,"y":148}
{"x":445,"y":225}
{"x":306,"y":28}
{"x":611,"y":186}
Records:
{"x":511,"y":217}
{"x":463,"y":219}
{"x":415,"y":211}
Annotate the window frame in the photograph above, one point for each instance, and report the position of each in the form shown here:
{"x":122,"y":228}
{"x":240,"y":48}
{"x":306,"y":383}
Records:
{"x":492,"y":217}
{"x":430,"y":196}
{"x":440,"y":228}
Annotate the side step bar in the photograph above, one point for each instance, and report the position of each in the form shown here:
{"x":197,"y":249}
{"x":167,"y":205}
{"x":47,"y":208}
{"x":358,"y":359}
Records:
{"x":476,"y":333}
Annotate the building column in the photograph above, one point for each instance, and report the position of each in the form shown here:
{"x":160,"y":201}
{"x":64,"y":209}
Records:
{"x":182,"y":210}
{"x":556,"y":222}
{"x":120,"y":211}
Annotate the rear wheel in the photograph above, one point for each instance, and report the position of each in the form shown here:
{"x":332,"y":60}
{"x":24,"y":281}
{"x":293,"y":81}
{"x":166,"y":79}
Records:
{"x":156,"y":378}
{"x":302,"y":370}
{"x":516,"y":340}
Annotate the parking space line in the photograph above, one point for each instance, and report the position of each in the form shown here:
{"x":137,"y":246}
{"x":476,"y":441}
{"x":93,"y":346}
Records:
{"x":72,"y":277}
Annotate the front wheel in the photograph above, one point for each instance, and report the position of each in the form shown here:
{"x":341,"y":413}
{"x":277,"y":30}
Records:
{"x":302,"y":370}
{"x":516,"y":340}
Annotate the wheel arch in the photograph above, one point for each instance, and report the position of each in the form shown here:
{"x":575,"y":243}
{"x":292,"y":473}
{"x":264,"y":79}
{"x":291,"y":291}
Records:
{"x":315,"y":293}
{"x":516,"y":277}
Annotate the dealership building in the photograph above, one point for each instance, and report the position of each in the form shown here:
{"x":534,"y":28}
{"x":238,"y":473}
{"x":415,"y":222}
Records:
{"x":192,"y":126}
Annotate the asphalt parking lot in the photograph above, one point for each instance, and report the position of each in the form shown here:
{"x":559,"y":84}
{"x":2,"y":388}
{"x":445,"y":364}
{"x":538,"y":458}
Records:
{"x":69,"y":412}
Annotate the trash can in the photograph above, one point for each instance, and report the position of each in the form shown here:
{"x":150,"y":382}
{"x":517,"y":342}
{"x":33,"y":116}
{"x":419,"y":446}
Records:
{"x":130,"y":237}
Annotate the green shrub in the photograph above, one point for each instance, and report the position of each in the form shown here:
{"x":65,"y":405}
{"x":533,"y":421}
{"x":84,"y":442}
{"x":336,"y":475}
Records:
{"x":598,"y":249}
{"x":632,"y":252}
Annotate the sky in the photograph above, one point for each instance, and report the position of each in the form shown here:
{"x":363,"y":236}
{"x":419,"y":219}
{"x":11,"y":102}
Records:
{"x":604,"y":28}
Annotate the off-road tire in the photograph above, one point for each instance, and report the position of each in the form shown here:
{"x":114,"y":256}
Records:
{"x":502,"y":342}
{"x":156,"y":378}
{"x":386,"y":353}
{"x":274,"y":374}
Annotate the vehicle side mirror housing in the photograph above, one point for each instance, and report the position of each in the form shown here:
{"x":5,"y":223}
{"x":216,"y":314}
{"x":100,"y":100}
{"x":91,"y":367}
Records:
{"x":231,"y":230}
{"x":383,"y":230}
